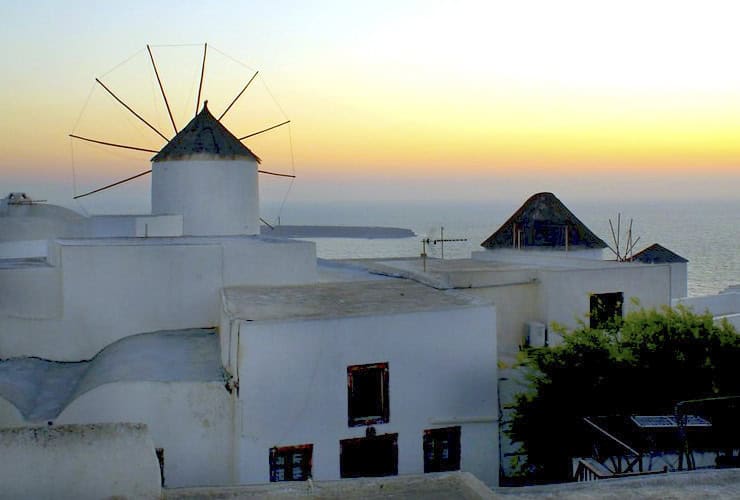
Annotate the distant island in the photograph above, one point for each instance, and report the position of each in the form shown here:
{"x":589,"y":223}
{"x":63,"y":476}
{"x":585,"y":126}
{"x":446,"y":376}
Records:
{"x":367,"y":232}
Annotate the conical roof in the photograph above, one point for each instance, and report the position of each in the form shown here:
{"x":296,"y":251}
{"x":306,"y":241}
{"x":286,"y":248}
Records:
{"x":543,"y":221}
{"x":204,"y":135}
{"x":657,"y":254}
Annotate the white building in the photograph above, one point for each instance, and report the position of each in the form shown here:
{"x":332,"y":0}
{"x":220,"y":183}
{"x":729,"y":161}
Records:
{"x":658,"y":254}
{"x":725,"y":306}
{"x":387,"y":369}
{"x":544,"y":267}
{"x":246,"y":360}
{"x":272,"y":366}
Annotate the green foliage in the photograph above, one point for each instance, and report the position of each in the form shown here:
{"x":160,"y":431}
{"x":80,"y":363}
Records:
{"x":642,"y":364}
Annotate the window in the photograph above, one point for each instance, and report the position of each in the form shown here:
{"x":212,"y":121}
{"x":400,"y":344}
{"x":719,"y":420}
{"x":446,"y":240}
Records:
{"x":367,"y":394}
{"x":605,"y":307}
{"x":546,"y":234}
{"x":291,"y":463}
{"x":372,"y":456}
{"x":442,"y":449}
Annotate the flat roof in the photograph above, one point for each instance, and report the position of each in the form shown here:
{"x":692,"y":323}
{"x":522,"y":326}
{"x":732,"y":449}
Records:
{"x":554,"y":263}
{"x":445,"y":274}
{"x":434,"y":265}
{"x":175,"y":240}
{"x":339,"y":299}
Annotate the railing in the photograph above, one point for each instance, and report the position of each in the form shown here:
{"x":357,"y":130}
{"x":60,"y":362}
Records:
{"x":590,"y":470}
{"x":624,"y":460}
{"x":721,"y":410}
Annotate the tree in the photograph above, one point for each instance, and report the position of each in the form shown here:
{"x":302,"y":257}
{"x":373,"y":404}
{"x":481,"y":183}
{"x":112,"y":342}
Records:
{"x":642,"y":364}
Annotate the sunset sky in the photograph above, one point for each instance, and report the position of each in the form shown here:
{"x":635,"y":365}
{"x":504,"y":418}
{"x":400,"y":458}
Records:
{"x":388,"y":100}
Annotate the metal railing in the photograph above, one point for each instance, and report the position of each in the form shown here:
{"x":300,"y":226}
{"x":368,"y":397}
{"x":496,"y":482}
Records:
{"x":622,"y":457}
{"x":588,"y":470}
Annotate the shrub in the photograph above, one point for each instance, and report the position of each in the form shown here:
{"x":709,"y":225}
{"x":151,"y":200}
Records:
{"x":642,"y":364}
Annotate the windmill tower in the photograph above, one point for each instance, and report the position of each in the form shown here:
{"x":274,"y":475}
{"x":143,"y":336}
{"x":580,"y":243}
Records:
{"x":209,"y":177}
{"x":204,"y":173}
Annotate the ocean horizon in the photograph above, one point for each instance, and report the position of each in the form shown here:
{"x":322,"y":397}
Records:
{"x":706,"y":233}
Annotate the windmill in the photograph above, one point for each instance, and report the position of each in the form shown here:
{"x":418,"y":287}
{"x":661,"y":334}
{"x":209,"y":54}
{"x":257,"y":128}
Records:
{"x":209,"y":157}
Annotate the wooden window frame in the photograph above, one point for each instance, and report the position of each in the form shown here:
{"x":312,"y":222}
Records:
{"x":433,"y":459}
{"x":344,"y":443}
{"x":355,"y":420}
{"x":288,"y":452}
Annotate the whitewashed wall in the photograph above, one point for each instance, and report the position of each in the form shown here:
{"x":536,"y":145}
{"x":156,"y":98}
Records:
{"x":192,"y":421}
{"x":158,"y":225}
{"x":39,"y":222}
{"x":679,"y":280}
{"x":515,"y":305}
{"x":268,"y":261}
{"x":9,"y":414}
{"x":293,"y":379}
{"x":24,"y":249}
{"x":717,"y":305}
{"x":215,"y":197}
{"x":111,"y":226}
{"x":723,"y":306}
{"x":562,"y":294}
{"x":81,"y":462}
{"x":104,"y":290}
{"x":565,"y":294}
{"x":530,"y":255}
{"x":28,"y":295}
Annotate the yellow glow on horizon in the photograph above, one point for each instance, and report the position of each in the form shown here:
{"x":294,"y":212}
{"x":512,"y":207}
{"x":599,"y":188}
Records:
{"x":465,"y":89}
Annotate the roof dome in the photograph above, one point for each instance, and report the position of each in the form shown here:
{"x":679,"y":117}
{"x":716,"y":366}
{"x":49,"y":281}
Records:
{"x":204,"y":135}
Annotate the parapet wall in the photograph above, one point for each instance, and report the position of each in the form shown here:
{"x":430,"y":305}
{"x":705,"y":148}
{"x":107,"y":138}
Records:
{"x":79,"y":461}
{"x":722,"y":304}
{"x":96,"y":291}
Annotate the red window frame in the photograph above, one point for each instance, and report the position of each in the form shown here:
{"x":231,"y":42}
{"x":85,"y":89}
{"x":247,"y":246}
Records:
{"x":355,"y":416}
{"x":292,"y":457}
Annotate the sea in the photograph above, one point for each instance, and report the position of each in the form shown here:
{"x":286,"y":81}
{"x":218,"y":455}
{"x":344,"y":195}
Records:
{"x":707,"y":233}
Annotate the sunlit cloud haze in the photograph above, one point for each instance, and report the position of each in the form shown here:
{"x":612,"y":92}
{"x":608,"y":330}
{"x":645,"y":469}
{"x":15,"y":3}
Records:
{"x":387,"y":100}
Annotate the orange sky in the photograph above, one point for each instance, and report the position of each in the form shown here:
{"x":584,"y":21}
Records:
{"x":538,"y":95}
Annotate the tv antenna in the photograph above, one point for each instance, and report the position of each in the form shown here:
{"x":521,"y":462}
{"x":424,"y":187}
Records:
{"x":441,"y":241}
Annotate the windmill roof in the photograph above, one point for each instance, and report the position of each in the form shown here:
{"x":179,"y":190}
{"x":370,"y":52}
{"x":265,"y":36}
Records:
{"x":657,"y":254}
{"x":543,"y":220}
{"x":204,"y":135}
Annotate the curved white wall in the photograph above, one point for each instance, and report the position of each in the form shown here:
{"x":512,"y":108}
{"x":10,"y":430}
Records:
{"x":39,"y":222}
{"x":79,"y":461}
{"x":214,"y":196}
{"x":10,"y":416}
{"x":191,"y":421}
